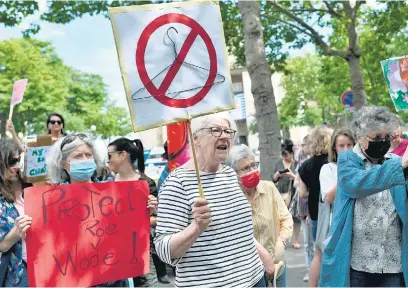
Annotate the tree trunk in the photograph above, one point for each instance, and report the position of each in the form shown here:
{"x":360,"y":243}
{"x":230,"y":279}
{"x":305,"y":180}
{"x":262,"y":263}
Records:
{"x":266,"y":112}
{"x":3,"y":120}
{"x":357,"y":82}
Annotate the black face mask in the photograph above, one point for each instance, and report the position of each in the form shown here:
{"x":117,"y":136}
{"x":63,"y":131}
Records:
{"x":377,"y":149}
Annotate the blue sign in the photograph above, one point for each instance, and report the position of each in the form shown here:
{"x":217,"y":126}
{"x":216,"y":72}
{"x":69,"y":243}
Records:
{"x":347,"y":98}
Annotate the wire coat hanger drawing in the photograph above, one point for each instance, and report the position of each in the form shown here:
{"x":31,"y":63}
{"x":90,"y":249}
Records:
{"x":176,"y":59}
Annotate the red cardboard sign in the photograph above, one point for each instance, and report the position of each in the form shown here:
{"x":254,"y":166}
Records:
{"x":87,"y":234}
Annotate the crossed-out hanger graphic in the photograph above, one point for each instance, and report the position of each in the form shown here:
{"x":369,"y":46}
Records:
{"x":160,"y":93}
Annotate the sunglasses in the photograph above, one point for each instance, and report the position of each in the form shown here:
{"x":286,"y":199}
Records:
{"x":56,"y":122}
{"x":13,"y":162}
{"x":110,"y":154}
{"x":70,"y":138}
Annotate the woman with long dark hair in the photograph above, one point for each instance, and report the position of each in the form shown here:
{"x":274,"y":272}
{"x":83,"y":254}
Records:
{"x":126,"y":160}
{"x":13,"y":222}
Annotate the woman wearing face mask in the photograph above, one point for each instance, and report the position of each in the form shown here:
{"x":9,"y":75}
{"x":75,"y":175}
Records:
{"x":13,"y":222}
{"x":398,"y":144}
{"x":126,"y":160}
{"x":368,"y":244}
{"x":272,"y":222}
{"x":72,"y":160}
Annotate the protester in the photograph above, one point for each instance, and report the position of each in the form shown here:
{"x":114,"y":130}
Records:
{"x":55,"y":126}
{"x":341,"y":140}
{"x":12,"y":130}
{"x":368,"y":244}
{"x":13,"y":222}
{"x":398,"y":144}
{"x":303,"y":210}
{"x":309,"y":186}
{"x":272,"y":222}
{"x":125,"y":156}
{"x":74,"y":159}
{"x":210,"y":240}
{"x":284,"y":178}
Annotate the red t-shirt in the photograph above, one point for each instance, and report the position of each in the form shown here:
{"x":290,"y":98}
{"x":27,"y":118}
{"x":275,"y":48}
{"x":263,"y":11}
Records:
{"x":400,"y":150}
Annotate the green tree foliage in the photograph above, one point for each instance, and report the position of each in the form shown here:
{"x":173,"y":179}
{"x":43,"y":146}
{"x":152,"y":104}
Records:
{"x":54,"y":87}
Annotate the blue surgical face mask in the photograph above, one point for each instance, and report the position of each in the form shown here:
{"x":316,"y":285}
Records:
{"x":82,"y":170}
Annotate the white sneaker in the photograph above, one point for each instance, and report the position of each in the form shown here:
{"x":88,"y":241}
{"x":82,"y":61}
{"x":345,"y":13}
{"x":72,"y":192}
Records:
{"x":306,"y":278}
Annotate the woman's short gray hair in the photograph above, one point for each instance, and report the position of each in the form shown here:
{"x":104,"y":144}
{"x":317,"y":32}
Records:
{"x":374,"y":119}
{"x":237,"y":153}
{"x":56,"y":159}
{"x":197,"y":124}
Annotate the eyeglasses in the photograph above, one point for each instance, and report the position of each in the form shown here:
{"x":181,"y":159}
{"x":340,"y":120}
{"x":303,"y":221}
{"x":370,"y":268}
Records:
{"x":250,"y":168}
{"x":217,"y":132}
{"x":70,"y":138}
{"x":109,"y":154}
{"x":55,"y":122}
{"x":388,"y":137}
{"x":13,"y":162}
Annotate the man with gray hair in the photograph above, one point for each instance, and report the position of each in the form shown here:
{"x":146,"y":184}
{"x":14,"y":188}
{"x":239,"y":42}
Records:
{"x":271,"y":220}
{"x":368,"y":246}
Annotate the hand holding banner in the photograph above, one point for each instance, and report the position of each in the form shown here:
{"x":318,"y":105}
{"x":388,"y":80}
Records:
{"x":18,"y":94}
{"x":87,"y":234}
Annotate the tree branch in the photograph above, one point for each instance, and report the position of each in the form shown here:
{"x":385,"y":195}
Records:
{"x":292,"y":25}
{"x":310,"y":10}
{"x":331,"y":10}
{"x":312,"y":33}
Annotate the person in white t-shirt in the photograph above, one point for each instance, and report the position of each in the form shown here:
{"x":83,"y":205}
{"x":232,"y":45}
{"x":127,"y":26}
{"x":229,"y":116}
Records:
{"x":341,"y":140}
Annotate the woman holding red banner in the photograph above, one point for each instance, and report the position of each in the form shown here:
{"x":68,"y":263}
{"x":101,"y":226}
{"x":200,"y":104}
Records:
{"x":125,"y":157}
{"x":75,"y":159}
{"x":13,"y":222}
{"x":211,"y":240}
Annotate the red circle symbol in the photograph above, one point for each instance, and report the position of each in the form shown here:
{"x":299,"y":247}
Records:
{"x":160,"y":93}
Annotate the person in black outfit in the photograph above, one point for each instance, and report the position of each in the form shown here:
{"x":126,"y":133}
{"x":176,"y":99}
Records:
{"x":309,"y":172}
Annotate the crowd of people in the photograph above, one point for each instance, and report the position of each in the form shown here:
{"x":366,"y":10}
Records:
{"x":345,"y":189}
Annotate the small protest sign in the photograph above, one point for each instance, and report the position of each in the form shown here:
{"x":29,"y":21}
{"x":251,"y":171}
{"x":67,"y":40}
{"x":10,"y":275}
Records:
{"x":17,"y":95}
{"x":396,"y":76}
{"x":87,"y":234}
{"x":173,"y":60}
{"x":35,"y":165}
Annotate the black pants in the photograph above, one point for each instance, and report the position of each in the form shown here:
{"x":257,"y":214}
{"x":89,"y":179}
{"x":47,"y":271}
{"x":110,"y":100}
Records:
{"x":364,"y":279}
{"x":161,"y":268}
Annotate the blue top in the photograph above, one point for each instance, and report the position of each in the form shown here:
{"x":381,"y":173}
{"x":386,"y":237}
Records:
{"x":354,"y":182}
{"x":8,"y":215}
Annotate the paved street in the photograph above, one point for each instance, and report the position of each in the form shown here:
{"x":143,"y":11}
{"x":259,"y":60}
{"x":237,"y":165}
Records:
{"x":295,"y":260}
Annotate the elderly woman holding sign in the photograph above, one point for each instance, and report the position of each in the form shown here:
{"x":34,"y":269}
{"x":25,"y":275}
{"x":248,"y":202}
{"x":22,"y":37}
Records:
{"x":75,"y":159}
{"x":210,"y":240}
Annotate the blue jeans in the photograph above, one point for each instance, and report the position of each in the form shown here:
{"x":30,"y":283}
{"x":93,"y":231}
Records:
{"x":261,"y":283}
{"x":364,"y":279}
{"x":281,"y":280}
{"x":23,"y":281}
{"x":308,"y":242}
{"x":314,"y":229}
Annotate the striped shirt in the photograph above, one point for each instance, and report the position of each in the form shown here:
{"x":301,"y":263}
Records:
{"x":225,"y":253}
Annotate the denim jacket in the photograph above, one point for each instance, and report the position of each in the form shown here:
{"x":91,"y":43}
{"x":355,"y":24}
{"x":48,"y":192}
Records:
{"x":354,"y":182}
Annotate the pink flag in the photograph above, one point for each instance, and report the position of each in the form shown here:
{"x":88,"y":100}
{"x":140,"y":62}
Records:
{"x":18,"y":91}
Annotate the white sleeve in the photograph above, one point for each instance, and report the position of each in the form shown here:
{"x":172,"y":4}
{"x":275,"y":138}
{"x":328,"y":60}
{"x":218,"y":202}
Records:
{"x":327,"y":180}
{"x":172,"y":217}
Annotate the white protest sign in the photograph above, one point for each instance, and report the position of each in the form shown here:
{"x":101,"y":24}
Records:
{"x":173,"y":60}
{"x":36,"y":165}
